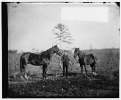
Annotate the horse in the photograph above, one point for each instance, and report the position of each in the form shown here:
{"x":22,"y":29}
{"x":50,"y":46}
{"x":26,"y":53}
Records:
{"x":84,"y":59}
{"x":42,"y":59}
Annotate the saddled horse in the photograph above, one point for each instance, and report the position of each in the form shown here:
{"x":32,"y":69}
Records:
{"x":85,"y":60}
{"x":42,"y":59}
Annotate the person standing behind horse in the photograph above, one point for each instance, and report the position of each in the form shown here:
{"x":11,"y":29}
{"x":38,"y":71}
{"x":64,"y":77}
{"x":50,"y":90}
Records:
{"x":65,"y":60}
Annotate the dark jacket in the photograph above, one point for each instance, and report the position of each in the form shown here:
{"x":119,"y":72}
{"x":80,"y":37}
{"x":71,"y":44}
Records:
{"x":65,"y":59}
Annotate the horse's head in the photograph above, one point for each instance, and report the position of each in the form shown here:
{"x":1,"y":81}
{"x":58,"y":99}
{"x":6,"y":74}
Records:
{"x":76,"y":51}
{"x":56,"y":50}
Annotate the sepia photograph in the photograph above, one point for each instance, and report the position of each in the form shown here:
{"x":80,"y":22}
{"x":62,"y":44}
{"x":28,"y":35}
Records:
{"x":63,"y":49}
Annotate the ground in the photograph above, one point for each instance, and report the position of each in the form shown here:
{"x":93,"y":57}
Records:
{"x":104,"y":84}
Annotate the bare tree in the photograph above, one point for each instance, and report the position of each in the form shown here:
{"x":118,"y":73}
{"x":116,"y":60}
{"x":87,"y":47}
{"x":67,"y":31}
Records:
{"x":33,"y":49}
{"x":62,"y":34}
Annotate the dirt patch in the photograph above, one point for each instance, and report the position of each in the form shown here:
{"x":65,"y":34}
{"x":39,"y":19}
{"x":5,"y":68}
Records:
{"x":73,"y":86}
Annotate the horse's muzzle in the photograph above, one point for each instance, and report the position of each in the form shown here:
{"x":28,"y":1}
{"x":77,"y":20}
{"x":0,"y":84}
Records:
{"x":59,"y":53}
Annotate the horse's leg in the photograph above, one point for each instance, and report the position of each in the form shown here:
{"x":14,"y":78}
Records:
{"x":24,"y":72}
{"x":44,"y":71}
{"x":85,"y":69}
{"x":63,"y":69}
{"x":25,"y":75}
{"x":22,"y":68}
{"x":93,"y":68}
{"x":81,"y":68}
{"x":66,"y":70}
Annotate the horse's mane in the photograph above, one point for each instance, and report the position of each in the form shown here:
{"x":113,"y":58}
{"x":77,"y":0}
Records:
{"x":46,"y":53}
{"x":80,"y":53}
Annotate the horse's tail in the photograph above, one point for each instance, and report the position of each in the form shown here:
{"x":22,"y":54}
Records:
{"x":22,"y":62}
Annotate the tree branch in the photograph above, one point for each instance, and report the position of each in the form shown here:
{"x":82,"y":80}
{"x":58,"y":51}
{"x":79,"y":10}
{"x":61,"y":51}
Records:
{"x":67,"y":42}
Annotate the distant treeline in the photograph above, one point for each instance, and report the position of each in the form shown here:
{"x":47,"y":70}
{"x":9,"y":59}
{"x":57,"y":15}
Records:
{"x":12,"y":51}
{"x":16,"y":51}
{"x":109,"y":49}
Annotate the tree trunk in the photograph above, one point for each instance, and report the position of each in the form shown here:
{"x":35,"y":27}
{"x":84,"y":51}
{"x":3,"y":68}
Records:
{"x":60,"y":43}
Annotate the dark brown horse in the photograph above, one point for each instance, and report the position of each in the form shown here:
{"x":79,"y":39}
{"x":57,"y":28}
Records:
{"x":42,"y":59}
{"x":85,"y":60}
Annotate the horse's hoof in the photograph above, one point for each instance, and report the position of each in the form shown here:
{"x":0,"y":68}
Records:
{"x":26,"y":77}
{"x":87,"y":77}
{"x":94,"y":73}
{"x":85,"y":74}
{"x":44,"y":78}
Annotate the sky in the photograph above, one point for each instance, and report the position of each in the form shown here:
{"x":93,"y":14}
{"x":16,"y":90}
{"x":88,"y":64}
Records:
{"x":94,"y":26}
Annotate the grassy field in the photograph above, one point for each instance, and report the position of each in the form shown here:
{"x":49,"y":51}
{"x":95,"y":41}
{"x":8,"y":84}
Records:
{"x":105,"y":84}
